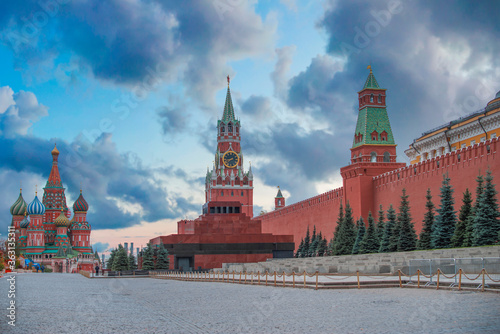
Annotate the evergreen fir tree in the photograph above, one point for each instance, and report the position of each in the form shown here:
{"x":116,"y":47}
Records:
{"x":120,"y":261}
{"x":347,"y":233}
{"x":380,"y":224}
{"x":370,"y":242}
{"x":131,"y":262}
{"x":314,"y":243}
{"x":426,"y":233}
{"x":109,"y":264}
{"x":332,"y":247}
{"x":147,"y":258}
{"x":407,"y":235}
{"x":395,"y":231}
{"x":469,"y":227}
{"x":444,"y":227}
{"x":307,"y":244}
{"x":162,"y":261}
{"x":361,"y":233}
{"x":385,"y":243}
{"x":486,"y":222}
{"x":465,"y":211}
{"x":321,"y":245}
{"x":299,"y":250}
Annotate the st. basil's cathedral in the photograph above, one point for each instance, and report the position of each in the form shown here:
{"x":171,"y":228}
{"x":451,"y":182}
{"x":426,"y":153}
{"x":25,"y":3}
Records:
{"x":44,"y":232}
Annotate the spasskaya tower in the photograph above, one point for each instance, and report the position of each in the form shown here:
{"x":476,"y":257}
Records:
{"x":228,"y":181}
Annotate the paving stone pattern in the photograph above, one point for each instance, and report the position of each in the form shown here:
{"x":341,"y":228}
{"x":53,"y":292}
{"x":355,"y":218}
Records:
{"x":65,"y":303}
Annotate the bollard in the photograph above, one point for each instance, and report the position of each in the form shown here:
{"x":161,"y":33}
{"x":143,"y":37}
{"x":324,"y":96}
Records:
{"x":400,"y":284}
{"x":266,"y":277}
{"x":304,"y":278}
{"x":275,"y":278}
{"x":482,"y":287}
{"x":293,"y":275}
{"x":357,"y":274}
{"x":233,"y":276}
{"x":418,"y":280}
{"x":284,"y":278}
{"x":316,"y":280}
{"x":240,"y":278}
{"x":251,"y":280}
{"x":245,"y":277}
{"x":258,"y":279}
{"x":437,"y":285}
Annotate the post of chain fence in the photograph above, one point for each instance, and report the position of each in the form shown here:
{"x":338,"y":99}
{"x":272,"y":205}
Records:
{"x":455,"y":271}
{"x":418,"y":278}
{"x":266,"y":277}
{"x":400,"y":284}
{"x":437,"y":286}
{"x":357,"y":275}
{"x":482,"y":287}
{"x":240,"y":278}
{"x":251,"y":280}
{"x":275,"y":278}
{"x":317,"y":274}
{"x":304,"y":278}
{"x":245,"y":277}
{"x":284,"y":278}
{"x":258,"y":280}
{"x":460,"y":279}
{"x":293,"y":275}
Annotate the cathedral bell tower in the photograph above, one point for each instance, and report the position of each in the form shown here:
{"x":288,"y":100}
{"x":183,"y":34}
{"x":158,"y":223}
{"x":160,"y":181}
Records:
{"x":373,"y":150}
{"x":228,"y":181}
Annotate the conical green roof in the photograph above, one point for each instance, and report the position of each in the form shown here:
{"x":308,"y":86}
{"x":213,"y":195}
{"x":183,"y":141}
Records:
{"x":370,"y":120}
{"x":279,"y":195}
{"x":371,"y":82}
{"x":228,"y":115}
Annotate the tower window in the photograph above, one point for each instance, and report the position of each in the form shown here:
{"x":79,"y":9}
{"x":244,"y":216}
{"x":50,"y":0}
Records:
{"x":379,"y":98}
{"x":387,"y":157}
{"x":222,"y":129}
{"x":373,"y":157}
{"x":230,"y":127}
{"x":279,"y":202}
{"x":371,"y":98}
{"x":242,"y":194}
{"x":222,"y":193}
{"x":232,"y":193}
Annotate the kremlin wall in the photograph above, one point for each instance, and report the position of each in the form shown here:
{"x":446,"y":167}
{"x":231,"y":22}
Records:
{"x":462,"y":149}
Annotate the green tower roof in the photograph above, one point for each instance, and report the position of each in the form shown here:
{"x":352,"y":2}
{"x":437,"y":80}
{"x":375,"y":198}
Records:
{"x":279,"y":195}
{"x":371,"y":82}
{"x":228,"y":115}
{"x":370,"y":120}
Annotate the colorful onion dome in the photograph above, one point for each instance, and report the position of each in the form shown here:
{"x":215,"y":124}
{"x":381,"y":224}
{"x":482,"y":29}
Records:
{"x":80,"y":204}
{"x":55,"y":151}
{"x":25,"y":222}
{"x":19,"y":207}
{"x":62,"y":220}
{"x":36,"y":207}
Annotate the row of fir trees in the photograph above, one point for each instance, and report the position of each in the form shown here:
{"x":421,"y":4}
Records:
{"x":477,"y":224}
{"x":155,"y":257}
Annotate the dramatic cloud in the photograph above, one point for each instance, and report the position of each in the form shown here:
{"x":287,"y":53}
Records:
{"x":172,"y":120}
{"x":18,"y":111}
{"x":131,"y":42}
{"x":100,"y":247}
{"x":120,"y":191}
{"x":280,"y":74}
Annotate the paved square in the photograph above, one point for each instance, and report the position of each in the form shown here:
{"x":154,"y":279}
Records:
{"x":65,"y":303}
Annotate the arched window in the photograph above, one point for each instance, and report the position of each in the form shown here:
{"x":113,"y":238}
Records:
{"x":379,"y":98}
{"x":237,"y":130}
{"x":374,"y":135}
{"x":387,"y":157}
{"x":371,"y":98}
{"x":279,"y":202}
{"x":232,"y":193}
{"x":373,"y":156}
{"x":222,"y":193}
{"x":222,"y":129}
{"x":242,"y":193}
{"x":230,"y":127}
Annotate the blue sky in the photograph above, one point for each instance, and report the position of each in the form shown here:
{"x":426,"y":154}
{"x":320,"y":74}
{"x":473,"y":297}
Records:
{"x":131,"y":92}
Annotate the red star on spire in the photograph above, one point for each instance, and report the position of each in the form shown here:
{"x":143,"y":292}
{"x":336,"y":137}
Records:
{"x":228,"y":80}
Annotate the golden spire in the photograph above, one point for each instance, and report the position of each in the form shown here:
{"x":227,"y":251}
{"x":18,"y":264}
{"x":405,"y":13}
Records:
{"x":370,"y":68}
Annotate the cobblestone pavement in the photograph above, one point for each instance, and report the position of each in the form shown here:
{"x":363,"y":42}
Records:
{"x":64,"y":303}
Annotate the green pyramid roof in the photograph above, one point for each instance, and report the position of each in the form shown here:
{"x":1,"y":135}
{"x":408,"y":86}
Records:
{"x":228,"y":115}
{"x":373,"y":119}
{"x":371,"y":82}
{"x":279,"y":195}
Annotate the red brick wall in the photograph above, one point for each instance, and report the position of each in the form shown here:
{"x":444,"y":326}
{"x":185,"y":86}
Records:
{"x":386,"y":189}
{"x":321,"y":210}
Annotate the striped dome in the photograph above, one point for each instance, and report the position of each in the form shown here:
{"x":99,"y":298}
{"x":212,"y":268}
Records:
{"x":25,"y":222}
{"x":62,"y":220}
{"x":19,"y":207}
{"x":80,"y":204}
{"x":36,"y":207}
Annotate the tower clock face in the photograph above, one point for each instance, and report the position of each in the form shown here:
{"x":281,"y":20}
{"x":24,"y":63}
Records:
{"x":230,"y":159}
